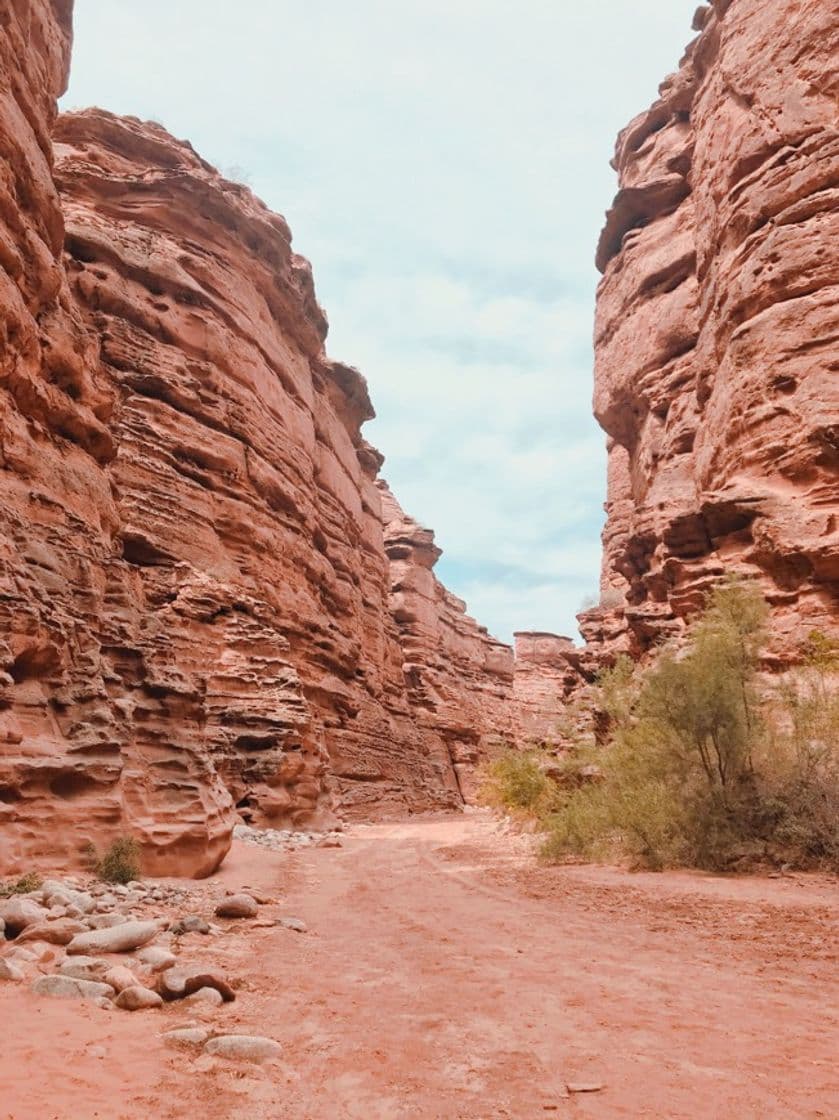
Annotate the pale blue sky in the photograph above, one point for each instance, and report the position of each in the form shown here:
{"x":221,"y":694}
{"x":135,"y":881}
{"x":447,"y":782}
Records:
{"x":444,"y":164}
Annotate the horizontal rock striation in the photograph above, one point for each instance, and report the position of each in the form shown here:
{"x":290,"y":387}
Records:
{"x":196,"y":613}
{"x":550,"y":672}
{"x":717,"y":332}
{"x":70,"y":771}
{"x":459,"y":677}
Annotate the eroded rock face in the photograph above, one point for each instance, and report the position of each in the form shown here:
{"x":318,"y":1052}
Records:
{"x":550,"y":670}
{"x":68,"y":770}
{"x":717,"y":331}
{"x":196,"y":604}
{"x":459,"y":677}
{"x":249,"y":513}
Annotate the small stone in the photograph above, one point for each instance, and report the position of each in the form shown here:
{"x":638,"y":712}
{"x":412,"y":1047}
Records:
{"x":120,"y":978}
{"x":331,"y":842}
{"x":182,"y":980}
{"x":259,"y":896}
{"x":81,"y":901}
{"x":190,"y":924}
{"x":206,"y":995}
{"x":156,"y":959}
{"x":84,"y":968}
{"x":18,"y":913}
{"x":237,"y":906}
{"x":11,"y":971}
{"x":243,"y":1048}
{"x":124,"y":938}
{"x":67,"y":987}
{"x":138,"y":998}
{"x":96,"y":1052}
{"x":25,"y":953}
{"x":105,"y":921}
{"x":297,"y":924}
{"x":186,"y":1038}
{"x":61,"y":931}
{"x":585,"y":1086}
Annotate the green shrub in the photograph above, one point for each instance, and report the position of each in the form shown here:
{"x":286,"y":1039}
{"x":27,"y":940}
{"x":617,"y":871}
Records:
{"x":31,"y":881}
{"x":700,"y":768}
{"x":514,"y":780}
{"x":121,"y":862}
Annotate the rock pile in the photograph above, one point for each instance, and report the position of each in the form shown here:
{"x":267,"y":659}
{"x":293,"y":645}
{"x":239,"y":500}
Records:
{"x":129,"y":946}
{"x":284,"y":840}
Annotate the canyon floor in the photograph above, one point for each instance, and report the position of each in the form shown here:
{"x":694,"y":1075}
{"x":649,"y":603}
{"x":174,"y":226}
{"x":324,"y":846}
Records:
{"x":445,"y":975}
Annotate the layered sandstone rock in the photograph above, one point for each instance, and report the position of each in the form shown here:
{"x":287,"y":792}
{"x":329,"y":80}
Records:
{"x":717,"y":331}
{"x":550,"y":672}
{"x":459,"y":677}
{"x":249,"y":518}
{"x":69,"y":772}
{"x":196,"y":608}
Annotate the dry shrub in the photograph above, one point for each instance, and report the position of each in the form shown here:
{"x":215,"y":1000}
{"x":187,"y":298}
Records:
{"x":27,"y":883}
{"x":702,"y":769}
{"x":121,"y":861}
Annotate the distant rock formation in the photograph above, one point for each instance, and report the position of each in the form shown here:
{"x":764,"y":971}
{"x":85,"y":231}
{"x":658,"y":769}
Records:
{"x":717,"y":333}
{"x":459,"y":677}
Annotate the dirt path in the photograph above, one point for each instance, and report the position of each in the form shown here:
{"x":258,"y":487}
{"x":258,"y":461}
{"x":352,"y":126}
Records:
{"x":444,"y":976}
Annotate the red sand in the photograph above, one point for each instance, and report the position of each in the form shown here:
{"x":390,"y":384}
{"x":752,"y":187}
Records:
{"x":444,"y":976}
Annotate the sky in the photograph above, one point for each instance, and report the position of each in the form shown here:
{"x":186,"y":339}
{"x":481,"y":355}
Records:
{"x":444,"y":164}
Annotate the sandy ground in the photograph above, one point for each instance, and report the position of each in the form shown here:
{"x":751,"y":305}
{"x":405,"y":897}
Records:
{"x":444,"y":975}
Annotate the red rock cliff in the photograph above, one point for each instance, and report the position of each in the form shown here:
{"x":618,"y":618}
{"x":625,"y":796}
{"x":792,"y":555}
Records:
{"x":717,"y":376}
{"x":69,"y":770}
{"x":196,"y":609}
{"x":459,"y":677}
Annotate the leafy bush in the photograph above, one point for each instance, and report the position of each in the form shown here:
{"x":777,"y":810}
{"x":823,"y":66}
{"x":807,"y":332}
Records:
{"x":31,"y":881}
{"x":701,"y":768}
{"x":121,"y":862}
{"x":515,"y":780}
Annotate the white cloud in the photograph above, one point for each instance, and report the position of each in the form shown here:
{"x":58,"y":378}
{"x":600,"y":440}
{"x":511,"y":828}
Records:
{"x":445,"y":167}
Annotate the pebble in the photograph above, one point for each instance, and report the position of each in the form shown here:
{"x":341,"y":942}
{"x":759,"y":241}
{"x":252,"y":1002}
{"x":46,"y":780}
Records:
{"x":84,"y":968}
{"x":11,"y":971}
{"x":297,"y":924}
{"x":67,"y":987}
{"x":206,"y":995}
{"x":18,"y":913}
{"x":243,"y":1047}
{"x":182,"y":980}
{"x":237,"y":906}
{"x":105,"y":921}
{"x":124,"y":938}
{"x":138,"y":998}
{"x":190,"y":924}
{"x":120,"y":978}
{"x":156,"y":959}
{"x":186,"y":1037}
{"x":60,"y":931}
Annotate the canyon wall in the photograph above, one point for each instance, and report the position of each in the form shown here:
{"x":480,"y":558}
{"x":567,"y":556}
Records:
{"x":199,"y":617}
{"x":70,"y":772}
{"x":460,"y":678}
{"x":717,"y":377}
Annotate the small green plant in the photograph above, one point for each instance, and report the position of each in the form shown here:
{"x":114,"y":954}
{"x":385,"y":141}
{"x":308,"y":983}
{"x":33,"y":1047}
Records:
{"x":27,"y":883}
{"x":514,"y":780}
{"x":121,"y":862}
